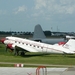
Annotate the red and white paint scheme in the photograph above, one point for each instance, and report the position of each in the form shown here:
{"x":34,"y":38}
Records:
{"x":33,"y":46}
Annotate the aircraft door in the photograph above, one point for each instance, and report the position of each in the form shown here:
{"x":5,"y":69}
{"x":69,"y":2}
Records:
{"x":44,"y":48}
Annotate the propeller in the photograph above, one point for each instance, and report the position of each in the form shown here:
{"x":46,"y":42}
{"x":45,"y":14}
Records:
{"x":2,"y":40}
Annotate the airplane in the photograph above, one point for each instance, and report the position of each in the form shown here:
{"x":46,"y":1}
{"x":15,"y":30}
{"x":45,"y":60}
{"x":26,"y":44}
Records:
{"x":39,"y":35}
{"x":70,"y":37}
{"x":33,"y":46}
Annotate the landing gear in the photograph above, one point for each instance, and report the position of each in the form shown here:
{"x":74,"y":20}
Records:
{"x":19,"y":52}
{"x":22,"y":53}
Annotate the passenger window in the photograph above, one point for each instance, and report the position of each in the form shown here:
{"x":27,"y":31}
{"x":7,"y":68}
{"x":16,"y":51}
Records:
{"x":37,"y":46}
{"x":22,"y":43}
{"x":41,"y":47}
{"x":15,"y":41}
{"x":26,"y":44}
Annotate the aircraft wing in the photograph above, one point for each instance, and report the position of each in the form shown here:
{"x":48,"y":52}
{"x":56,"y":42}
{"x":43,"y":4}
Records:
{"x":27,"y":48}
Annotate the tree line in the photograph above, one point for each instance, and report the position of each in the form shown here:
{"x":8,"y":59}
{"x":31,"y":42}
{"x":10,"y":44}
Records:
{"x":47,"y":33}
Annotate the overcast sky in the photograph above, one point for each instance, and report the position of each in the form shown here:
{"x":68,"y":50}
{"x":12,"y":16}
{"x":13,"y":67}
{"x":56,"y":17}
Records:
{"x":23,"y":15}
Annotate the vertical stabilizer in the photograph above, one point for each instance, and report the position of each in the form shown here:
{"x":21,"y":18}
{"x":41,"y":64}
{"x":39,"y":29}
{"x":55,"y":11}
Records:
{"x":38,"y":32}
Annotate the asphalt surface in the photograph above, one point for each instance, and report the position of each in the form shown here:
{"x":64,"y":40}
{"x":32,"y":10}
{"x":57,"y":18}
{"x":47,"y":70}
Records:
{"x":32,"y":71}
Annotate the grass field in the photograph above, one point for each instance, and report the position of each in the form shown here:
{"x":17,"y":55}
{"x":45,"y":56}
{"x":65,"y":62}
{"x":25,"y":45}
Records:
{"x":35,"y":58}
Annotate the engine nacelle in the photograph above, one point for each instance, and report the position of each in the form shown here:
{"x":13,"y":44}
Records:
{"x":11,"y":46}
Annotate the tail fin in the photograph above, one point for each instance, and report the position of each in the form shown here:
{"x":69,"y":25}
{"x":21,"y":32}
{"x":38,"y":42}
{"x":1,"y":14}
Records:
{"x":38,"y":32}
{"x":70,"y":44}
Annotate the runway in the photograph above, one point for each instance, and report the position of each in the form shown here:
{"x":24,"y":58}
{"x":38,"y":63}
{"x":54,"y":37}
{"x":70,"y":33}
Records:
{"x":32,"y":71}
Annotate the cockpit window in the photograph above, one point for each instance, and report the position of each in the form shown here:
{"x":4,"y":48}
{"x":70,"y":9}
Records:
{"x":6,"y":38}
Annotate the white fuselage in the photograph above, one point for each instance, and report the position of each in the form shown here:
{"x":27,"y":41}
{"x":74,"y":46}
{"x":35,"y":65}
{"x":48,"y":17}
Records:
{"x":33,"y":46}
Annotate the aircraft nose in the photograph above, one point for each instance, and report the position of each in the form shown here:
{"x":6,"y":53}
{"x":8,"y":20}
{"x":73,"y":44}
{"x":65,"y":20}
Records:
{"x":2,"y":40}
